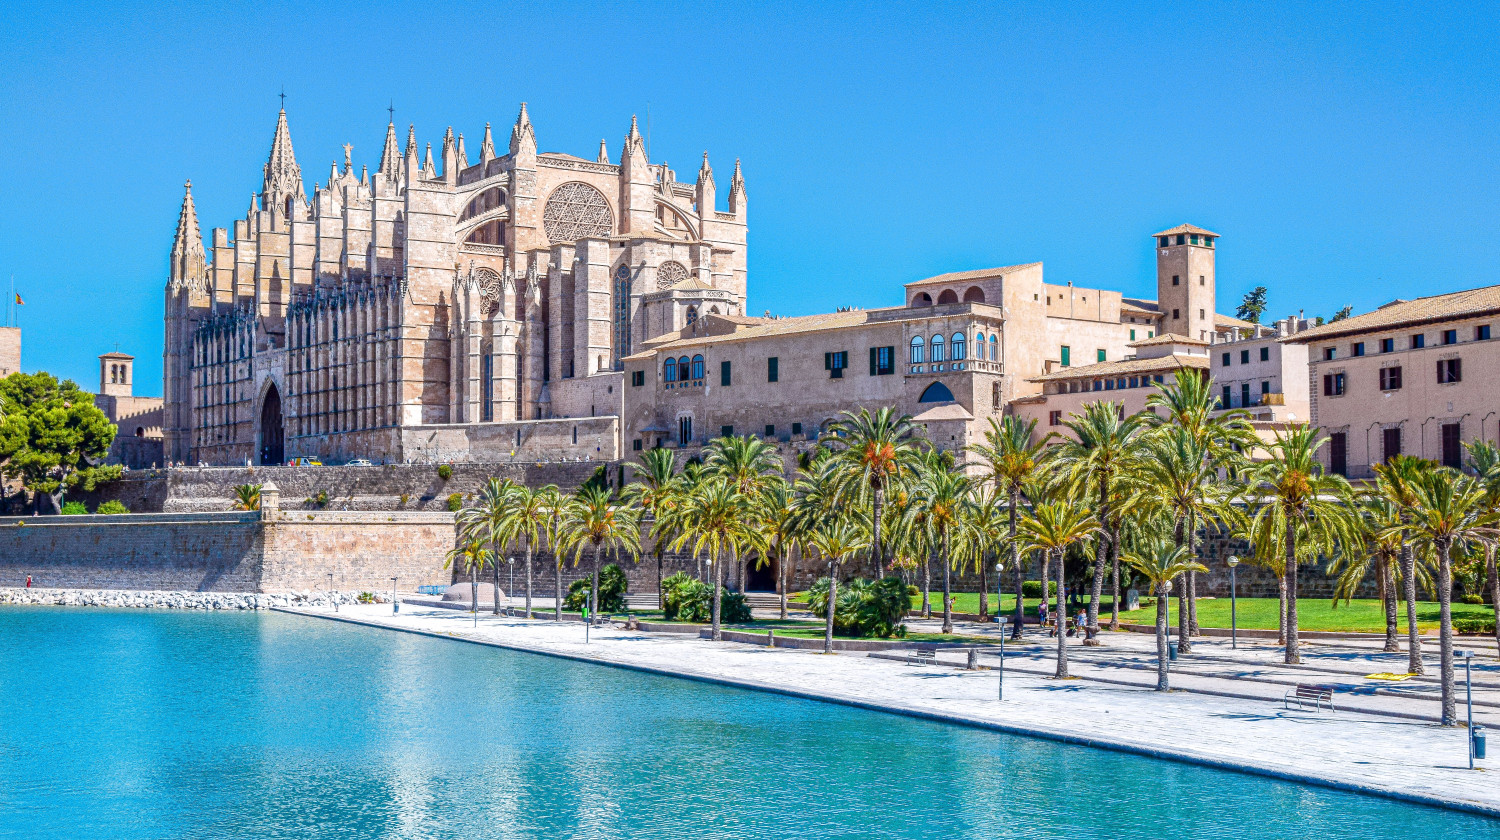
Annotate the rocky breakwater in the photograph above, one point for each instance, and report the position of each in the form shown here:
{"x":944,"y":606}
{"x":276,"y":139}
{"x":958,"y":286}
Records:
{"x":36,"y":596}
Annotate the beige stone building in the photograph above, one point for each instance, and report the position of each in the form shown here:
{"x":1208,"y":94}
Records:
{"x":10,"y":351}
{"x":138,"y":441}
{"x":442,"y":307}
{"x":1410,"y":377}
{"x":964,"y":347}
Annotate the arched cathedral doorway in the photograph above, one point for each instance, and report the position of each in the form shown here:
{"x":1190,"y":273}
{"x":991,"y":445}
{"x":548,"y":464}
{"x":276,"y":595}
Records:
{"x":272,"y":437}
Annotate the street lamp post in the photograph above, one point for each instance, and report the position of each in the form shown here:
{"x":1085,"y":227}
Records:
{"x":1001,"y":620}
{"x":331,"y":596}
{"x":1233,"y":624}
{"x":510,"y":593}
{"x":395,"y":604}
{"x":1469,"y":701}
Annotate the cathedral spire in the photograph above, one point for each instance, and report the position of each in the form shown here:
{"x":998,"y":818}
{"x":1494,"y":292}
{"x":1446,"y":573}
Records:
{"x":633,"y":142}
{"x":463,"y":156}
{"x":283,"y":178}
{"x":522,"y":136}
{"x":705,"y":172}
{"x":487,"y":146}
{"x":737,"y":190}
{"x":603,"y":151}
{"x":427,"y":165}
{"x":411,"y":142}
{"x":390,"y":159}
{"x":189,"y":264}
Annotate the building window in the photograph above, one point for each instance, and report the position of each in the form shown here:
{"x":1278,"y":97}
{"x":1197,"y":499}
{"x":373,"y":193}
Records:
{"x":1265,"y":354}
{"x":1338,"y":453}
{"x":1132,"y":332}
{"x":726,"y":431}
{"x":1176,"y":280}
{"x":1449,"y":371}
{"x":1450,"y":336}
{"x":1418,"y":341}
{"x":684,"y":431}
{"x":995,"y":348}
{"x":1390,"y":443}
{"x":883,"y":361}
{"x":622,"y":314}
{"x":1202,"y":281}
{"x":1067,"y":356}
{"x":835,"y":363}
{"x":1054,"y":418}
{"x":1100,"y":354}
{"x":936,"y":348}
{"x":1333,"y":384}
{"x":1226,"y":360}
{"x":770,"y":430}
{"x":958,"y":348}
{"x":1245,"y":394}
{"x":637,"y":378}
{"x":1176,"y":315}
{"x":697,"y":367}
{"x":669,"y":371}
{"x":636,"y":444}
{"x":1387,"y":345}
{"x":917,"y":356}
{"x":1151,"y":333}
{"x":724,"y":374}
{"x":773,"y":369}
{"x":1358,"y":349}
{"x":1164,"y":241}
{"x":995,"y":396}
{"x":1226,"y":401}
{"x":1265,"y":387}
{"x":1482,"y":332}
{"x":692,"y":315}
{"x":1453,"y":450}
{"x":1330,"y":353}
{"x":1244,"y":357}
{"x":796,"y":428}
{"x":1390,"y":379}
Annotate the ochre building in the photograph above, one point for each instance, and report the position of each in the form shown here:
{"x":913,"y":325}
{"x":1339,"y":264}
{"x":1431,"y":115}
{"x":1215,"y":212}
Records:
{"x":443,"y":307}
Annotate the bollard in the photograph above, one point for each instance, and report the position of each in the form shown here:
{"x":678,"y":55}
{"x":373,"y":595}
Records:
{"x":1478,"y":741}
{"x":771,"y":637}
{"x":973,"y":659}
{"x":1172,"y":651}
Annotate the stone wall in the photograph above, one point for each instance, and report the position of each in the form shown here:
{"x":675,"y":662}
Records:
{"x":362,"y":550}
{"x":594,"y":438}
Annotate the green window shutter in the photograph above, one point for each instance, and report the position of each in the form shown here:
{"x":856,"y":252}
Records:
{"x":724,"y":377}
{"x":873,"y":369}
{"x":828,"y":361}
{"x":773,"y":369}
{"x":1067,"y":356}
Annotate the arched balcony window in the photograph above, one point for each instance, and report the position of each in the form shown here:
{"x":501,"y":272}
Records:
{"x":917,"y":345}
{"x":669,"y":371}
{"x":697,"y":367}
{"x":682,"y":368}
{"x":958,"y":346}
{"x":994,"y":349}
{"x":937,"y":348}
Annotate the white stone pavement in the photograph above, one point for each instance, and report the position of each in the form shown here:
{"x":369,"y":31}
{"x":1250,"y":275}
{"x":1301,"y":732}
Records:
{"x":1400,"y":758}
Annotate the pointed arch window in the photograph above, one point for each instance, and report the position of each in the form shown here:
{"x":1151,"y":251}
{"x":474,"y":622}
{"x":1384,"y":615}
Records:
{"x":622,"y":315}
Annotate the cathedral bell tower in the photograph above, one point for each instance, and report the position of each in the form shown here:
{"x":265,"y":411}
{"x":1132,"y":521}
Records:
{"x":1185,"y":281}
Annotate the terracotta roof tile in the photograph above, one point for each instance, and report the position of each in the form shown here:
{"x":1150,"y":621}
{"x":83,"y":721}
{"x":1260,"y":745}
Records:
{"x":1167,"y":338}
{"x":1105,"y":370}
{"x":1185,"y":229}
{"x":977,"y":274}
{"x":1465,"y":304}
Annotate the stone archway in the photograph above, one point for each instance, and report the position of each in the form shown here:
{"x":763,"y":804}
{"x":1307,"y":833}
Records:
{"x":272,"y":433}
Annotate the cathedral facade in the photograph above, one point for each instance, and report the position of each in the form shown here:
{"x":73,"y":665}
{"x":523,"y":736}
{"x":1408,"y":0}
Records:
{"x":438,"y":309}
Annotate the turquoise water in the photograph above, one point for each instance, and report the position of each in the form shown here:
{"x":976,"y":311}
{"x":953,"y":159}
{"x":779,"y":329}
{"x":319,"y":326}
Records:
{"x":134,"y":724}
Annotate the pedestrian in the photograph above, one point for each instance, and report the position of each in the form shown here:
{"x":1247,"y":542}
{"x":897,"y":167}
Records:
{"x":28,"y":581}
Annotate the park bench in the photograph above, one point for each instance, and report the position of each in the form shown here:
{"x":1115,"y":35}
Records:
{"x":921,"y":656}
{"x":1303,"y":695}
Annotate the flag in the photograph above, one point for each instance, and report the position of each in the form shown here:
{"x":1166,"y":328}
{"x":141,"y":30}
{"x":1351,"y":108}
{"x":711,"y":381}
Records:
{"x":20,"y":302}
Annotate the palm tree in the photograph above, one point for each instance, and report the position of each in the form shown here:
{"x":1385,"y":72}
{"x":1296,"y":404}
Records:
{"x":1380,"y":555}
{"x":942,"y":491}
{"x":471,"y":554}
{"x":985,"y":529}
{"x":556,"y":509}
{"x":749,"y":464}
{"x":1051,"y":527}
{"x":1105,"y":445}
{"x":1160,"y":562}
{"x":1396,"y":481}
{"x":1484,"y":460}
{"x":526,"y":519}
{"x":1451,"y":511}
{"x":870,"y":451}
{"x":718,"y":518}
{"x":599,"y":522}
{"x":490,"y":516}
{"x":781,"y":528}
{"x":1300,"y":500}
{"x":1012,"y":459}
{"x":655,"y":491}
{"x":835,"y":539}
{"x":246,"y":497}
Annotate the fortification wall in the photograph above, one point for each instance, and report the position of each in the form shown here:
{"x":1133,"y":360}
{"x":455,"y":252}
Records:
{"x":362,"y":550}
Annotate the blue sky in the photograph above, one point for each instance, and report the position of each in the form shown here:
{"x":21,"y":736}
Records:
{"x":1346,"y":153}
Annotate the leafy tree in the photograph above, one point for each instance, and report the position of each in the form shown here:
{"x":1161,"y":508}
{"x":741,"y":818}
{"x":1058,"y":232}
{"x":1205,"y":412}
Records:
{"x":717,"y":519}
{"x":1012,"y":459}
{"x":654,"y":492}
{"x":1254,"y":304}
{"x":470,"y":555}
{"x":52,"y":437}
{"x":1343,"y":313}
{"x":942,"y":493}
{"x":525,"y":517}
{"x":1396,"y":481}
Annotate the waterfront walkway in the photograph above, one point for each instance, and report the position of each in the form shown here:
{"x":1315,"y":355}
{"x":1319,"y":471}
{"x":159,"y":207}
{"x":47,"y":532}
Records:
{"x":1373,"y":753}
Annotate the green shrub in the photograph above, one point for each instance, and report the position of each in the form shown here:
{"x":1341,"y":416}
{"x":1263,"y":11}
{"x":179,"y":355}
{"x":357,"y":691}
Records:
{"x":74,"y":509}
{"x":445,"y":471}
{"x":1474,"y":626}
{"x":864,"y":608}
{"x":455,"y":501}
{"x":367,"y":597}
{"x":113,"y":506}
{"x":686,"y":598}
{"x":1472,"y":599}
{"x":1033,"y":588}
{"x":611,"y":591}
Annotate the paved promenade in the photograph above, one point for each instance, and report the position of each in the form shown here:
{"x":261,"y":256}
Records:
{"x":1396,"y":756}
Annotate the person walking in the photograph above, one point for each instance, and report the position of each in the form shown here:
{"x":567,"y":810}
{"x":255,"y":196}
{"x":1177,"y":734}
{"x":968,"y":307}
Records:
{"x":28,"y":581}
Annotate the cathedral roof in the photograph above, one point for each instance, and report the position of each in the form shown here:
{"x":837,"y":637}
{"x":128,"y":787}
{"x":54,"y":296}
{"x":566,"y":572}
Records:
{"x":978,"y":274}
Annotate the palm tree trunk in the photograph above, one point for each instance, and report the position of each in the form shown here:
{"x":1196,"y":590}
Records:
{"x":1114,"y":562}
{"x":1101,"y":550}
{"x":718,"y":631}
{"x":833,"y":598}
{"x":1015,"y":563}
{"x":1281,"y":609}
{"x":1492,"y":581}
{"x":1409,"y":580}
{"x":496,"y":567}
{"x":557,"y":585}
{"x":1191,"y":578}
{"x":1387,"y":600}
{"x":661,"y":595}
{"x":1162,"y":595}
{"x":947,"y":586}
{"x":474,"y":587}
{"x":528,"y":577}
{"x":984,"y":588}
{"x":1184,"y":643}
{"x":594,"y":585}
{"x":1445,"y":633}
{"x":1062,"y":623}
{"x":780,"y":578}
{"x":1046,"y":566}
{"x":877,"y":556}
{"x":927,"y":585}
{"x":1293,"y":653}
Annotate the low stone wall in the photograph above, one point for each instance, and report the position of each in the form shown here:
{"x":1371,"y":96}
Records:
{"x":135,"y":599}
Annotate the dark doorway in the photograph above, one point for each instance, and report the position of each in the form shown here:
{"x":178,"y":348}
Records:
{"x":762,"y":579}
{"x":1392,"y":443}
{"x":1453,"y":450}
{"x":1338,"y":453}
{"x":272,"y":441}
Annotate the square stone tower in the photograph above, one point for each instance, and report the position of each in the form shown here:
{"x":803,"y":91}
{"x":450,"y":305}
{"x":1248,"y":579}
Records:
{"x":116,"y":373}
{"x":1185,"y":281}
